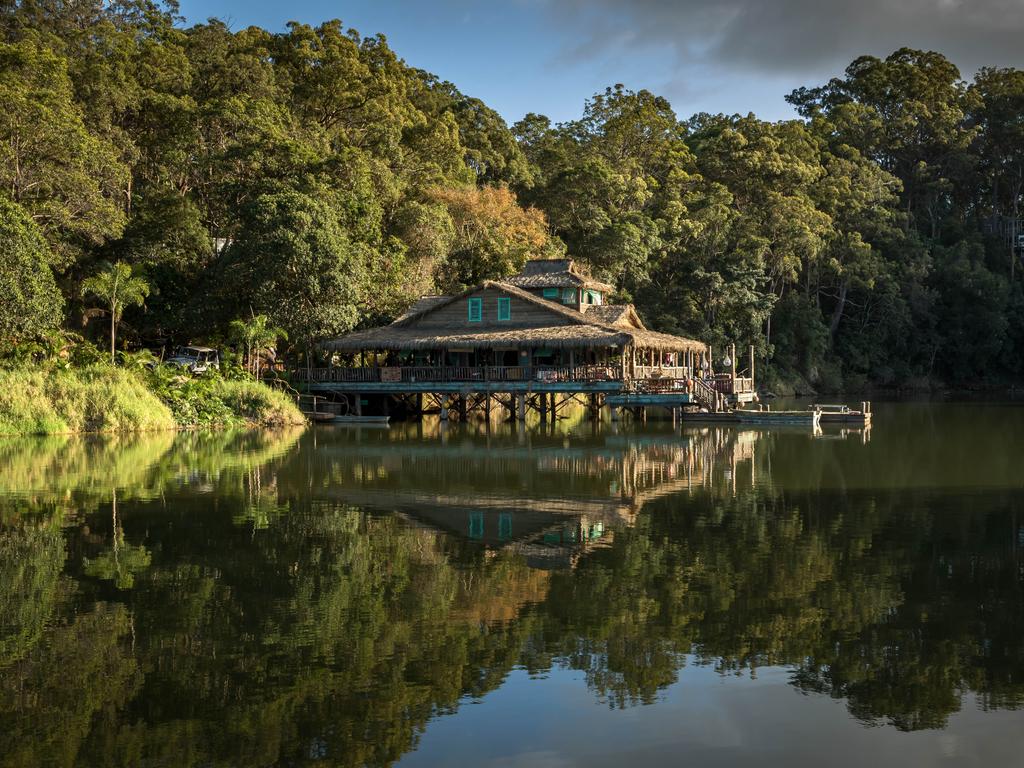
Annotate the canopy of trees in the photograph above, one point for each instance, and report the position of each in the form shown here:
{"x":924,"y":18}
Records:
{"x":863,"y":242}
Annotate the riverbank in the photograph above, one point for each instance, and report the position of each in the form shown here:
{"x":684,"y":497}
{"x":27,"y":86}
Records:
{"x":101,"y":398}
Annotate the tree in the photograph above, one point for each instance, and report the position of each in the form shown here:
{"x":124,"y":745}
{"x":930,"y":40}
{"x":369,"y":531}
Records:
{"x":493,"y":236}
{"x":301,"y":268}
{"x":66,"y":178}
{"x":256,"y":335}
{"x":32,"y":303}
{"x":117,"y":287}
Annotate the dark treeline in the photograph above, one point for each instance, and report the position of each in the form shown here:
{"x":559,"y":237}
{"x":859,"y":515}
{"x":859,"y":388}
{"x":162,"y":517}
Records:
{"x":313,"y":176}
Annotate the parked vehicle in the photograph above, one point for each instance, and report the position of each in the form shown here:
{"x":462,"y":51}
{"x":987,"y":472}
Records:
{"x":196,"y":360}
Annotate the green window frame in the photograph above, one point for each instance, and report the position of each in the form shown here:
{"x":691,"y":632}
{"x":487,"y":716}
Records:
{"x":551,"y":293}
{"x":475,"y":309}
{"x":504,"y":308}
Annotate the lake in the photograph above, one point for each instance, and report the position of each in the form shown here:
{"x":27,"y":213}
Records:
{"x":591,"y":594}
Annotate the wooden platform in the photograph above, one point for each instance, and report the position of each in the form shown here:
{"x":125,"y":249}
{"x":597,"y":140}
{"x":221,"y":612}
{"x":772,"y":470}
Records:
{"x":809,"y":418}
{"x":843,"y":414}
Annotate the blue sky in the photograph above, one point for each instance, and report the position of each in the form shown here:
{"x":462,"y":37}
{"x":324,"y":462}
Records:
{"x":548,"y":56}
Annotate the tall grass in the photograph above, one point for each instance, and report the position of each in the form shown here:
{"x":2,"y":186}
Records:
{"x":101,"y":398}
{"x":93,"y":399}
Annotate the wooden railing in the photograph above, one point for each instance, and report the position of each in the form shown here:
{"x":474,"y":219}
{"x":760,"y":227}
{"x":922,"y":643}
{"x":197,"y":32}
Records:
{"x":706,"y":395}
{"x":458,"y":373}
{"x":723,"y":382}
{"x":710,"y":392}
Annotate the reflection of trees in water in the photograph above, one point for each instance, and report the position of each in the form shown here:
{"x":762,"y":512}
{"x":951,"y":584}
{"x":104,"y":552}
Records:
{"x":322,"y":631}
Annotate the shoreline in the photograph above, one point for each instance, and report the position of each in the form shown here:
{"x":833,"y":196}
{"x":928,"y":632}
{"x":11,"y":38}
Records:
{"x":102,"y":399}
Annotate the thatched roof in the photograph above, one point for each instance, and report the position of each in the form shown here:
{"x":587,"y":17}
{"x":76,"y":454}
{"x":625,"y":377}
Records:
{"x":613,"y":314}
{"x":582,"y":331}
{"x":555,"y":273}
{"x":421,"y":305}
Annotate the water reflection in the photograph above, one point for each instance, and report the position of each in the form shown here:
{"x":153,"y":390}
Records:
{"x":257,"y":599}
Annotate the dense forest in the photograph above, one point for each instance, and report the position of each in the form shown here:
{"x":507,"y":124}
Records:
{"x":313,"y":176}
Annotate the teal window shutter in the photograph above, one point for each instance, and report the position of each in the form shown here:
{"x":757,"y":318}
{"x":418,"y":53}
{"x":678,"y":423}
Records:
{"x":476,"y":310}
{"x":504,"y":308}
{"x":550,"y":293}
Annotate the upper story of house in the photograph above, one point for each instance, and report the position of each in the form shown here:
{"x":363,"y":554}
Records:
{"x":560,"y":280}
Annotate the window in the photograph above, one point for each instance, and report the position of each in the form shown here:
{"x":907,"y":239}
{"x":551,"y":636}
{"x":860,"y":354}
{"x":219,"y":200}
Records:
{"x":550,"y":293}
{"x":569,"y":296}
{"x":505,"y":526}
{"x":504,"y":308}
{"x":476,"y":525}
{"x":476,"y":310}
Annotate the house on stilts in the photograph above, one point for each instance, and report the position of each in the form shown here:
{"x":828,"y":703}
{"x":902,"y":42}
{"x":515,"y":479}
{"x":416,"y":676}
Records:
{"x":536,"y":340}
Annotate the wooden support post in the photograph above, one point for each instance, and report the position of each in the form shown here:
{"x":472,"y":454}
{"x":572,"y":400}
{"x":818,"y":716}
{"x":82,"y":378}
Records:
{"x":359,"y":404}
{"x":521,"y":407}
{"x":463,"y":411}
{"x":554,"y":407}
{"x":487,"y":407}
{"x":732,"y":368}
{"x":753,"y":385}
{"x":419,"y":405}
{"x":543,"y":407}
{"x":443,"y":399}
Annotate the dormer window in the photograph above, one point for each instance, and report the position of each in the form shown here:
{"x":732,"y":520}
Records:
{"x":476,"y":310}
{"x":504,"y":308}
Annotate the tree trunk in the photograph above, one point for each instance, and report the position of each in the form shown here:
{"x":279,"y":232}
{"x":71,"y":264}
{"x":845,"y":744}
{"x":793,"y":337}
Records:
{"x":113,"y":334}
{"x":837,"y":313}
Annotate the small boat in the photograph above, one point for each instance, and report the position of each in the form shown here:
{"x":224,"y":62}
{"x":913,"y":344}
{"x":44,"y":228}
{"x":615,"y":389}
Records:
{"x":353,"y":419}
{"x":843,"y":414}
{"x":320,"y":416}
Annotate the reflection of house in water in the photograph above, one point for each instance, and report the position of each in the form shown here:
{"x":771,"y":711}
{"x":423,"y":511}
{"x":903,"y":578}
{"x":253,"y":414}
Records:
{"x":550,"y":496}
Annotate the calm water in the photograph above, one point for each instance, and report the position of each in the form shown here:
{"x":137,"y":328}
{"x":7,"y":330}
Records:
{"x":593,"y":597}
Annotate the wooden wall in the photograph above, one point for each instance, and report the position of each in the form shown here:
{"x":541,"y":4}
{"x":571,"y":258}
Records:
{"x":455,"y":316}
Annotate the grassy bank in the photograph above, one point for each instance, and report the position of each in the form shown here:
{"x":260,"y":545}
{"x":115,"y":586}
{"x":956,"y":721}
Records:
{"x":101,"y":398}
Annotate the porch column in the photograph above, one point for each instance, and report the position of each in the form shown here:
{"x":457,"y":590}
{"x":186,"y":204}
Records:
{"x":732,"y":357}
{"x":752,"y":368}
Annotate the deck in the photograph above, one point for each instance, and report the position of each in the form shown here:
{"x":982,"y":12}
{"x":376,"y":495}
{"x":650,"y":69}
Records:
{"x":518,"y":388}
{"x":514,"y":378}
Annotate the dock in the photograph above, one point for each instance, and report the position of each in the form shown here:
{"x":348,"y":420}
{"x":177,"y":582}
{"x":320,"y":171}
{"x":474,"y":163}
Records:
{"x":843,"y":414}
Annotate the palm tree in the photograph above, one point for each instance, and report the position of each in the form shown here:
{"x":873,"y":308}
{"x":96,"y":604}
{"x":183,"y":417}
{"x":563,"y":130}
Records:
{"x":118,"y":288}
{"x":255,"y":335}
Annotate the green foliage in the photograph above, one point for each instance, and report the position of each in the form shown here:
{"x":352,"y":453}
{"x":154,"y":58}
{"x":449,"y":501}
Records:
{"x":117,"y":287}
{"x":67,"y":177}
{"x":31,"y":303}
{"x":302,"y":270}
{"x":93,"y":399}
{"x":211,"y":400}
{"x":255,"y":335}
{"x":138,"y":397}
